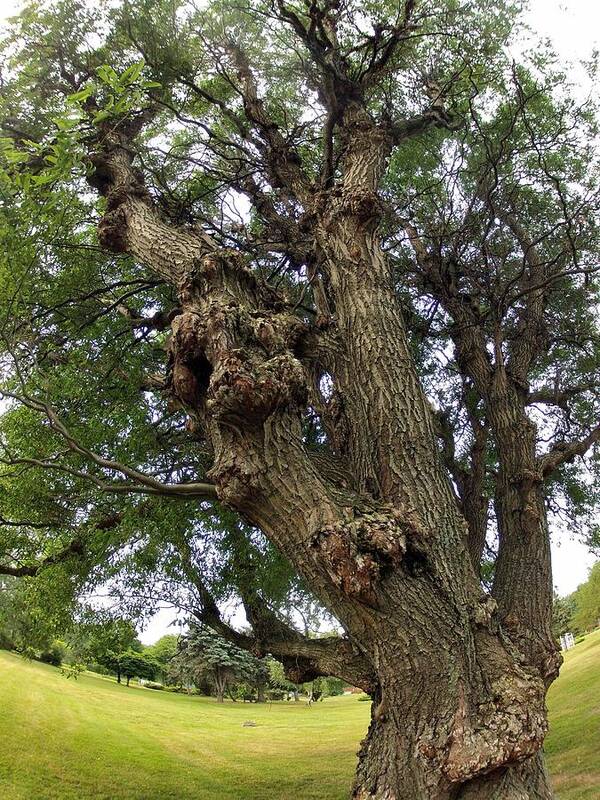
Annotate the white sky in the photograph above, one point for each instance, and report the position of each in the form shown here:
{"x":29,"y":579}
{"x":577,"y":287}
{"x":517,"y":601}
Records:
{"x":574,"y":28}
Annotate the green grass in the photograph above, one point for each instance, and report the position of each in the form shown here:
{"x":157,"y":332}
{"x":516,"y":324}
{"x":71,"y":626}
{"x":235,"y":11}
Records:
{"x":95,"y":740}
{"x":573,"y":745}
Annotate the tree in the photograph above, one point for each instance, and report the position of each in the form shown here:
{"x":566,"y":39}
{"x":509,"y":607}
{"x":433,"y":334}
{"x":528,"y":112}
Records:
{"x":101,"y":641}
{"x":586,"y":600}
{"x":27,"y":624}
{"x":563,"y":611}
{"x":204,"y":656}
{"x":136,"y":665}
{"x":377,"y":320}
{"x":278,"y":680}
{"x":163,"y":651}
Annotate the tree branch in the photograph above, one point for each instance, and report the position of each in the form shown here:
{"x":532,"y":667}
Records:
{"x":563,"y":452}
{"x":143,"y":483}
{"x":303,"y":658}
{"x":75,"y":548}
{"x":555,"y":396}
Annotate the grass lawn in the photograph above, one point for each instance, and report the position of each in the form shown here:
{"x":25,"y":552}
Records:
{"x":95,"y":740}
{"x":573,"y":745}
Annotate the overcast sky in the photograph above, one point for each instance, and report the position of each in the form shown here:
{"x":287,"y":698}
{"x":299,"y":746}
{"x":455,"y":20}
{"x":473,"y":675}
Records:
{"x":574,"y":27}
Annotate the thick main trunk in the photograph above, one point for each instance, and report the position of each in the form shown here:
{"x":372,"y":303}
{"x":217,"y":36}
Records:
{"x":526,"y":781}
{"x":385,"y":772}
{"x":453,"y":700}
{"x":452,"y":704}
{"x":385,"y":547}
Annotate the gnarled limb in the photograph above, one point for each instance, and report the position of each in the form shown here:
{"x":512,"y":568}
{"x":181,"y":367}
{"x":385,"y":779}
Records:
{"x":565,"y":452}
{"x":303,"y":658}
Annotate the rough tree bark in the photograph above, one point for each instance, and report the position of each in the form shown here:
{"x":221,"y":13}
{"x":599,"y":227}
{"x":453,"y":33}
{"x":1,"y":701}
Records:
{"x":523,"y":575}
{"x":371,"y":522}
{"x":385,"y":547}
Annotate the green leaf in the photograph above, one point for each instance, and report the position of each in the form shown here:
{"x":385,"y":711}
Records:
{"x":132,"y":73}
{"x":108,"y":75}
{"x":83,"y":94}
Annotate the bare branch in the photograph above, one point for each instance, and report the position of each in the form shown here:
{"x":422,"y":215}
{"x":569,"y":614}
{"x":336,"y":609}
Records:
{"x":564,"y":452}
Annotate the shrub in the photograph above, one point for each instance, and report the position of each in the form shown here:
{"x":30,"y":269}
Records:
{"x":54,"y":655}
{"x":48,"y":657}
{"x":180,"y":690}
{"x":99,"y":669}
{"x":72,"y":670}
{"x":153,"y":685}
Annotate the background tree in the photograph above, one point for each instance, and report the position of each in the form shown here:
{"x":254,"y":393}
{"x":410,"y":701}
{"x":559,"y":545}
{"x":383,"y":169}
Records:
{"x":136,"y":665}
{"x":586,"y":600}
{"x":278,"y":680}
{"x":102,"y":641}
{"x":27,"y":624}
{"x":203,"y":656}
{"x":563,"y":611}
{"x":163,"y":651}
{"x":365,"y":328}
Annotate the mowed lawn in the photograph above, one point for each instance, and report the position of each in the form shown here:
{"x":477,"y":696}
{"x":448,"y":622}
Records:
{"x":96,"y":740}
{"x":573,"y":745}
{"x":92,"y":739}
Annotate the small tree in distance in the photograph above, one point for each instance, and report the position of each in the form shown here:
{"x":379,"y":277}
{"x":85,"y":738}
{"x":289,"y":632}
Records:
{"x":137,"y":665}
{"x":206,"y":657}
{"x":102,"y":641}
{"x":163,"y":651}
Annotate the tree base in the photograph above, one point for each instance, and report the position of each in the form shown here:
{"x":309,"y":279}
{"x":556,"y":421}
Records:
{"x":526,"y":781}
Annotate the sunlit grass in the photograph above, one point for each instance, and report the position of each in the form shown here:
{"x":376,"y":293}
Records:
{"x":92,"y":739}
{"x":573,"y":746}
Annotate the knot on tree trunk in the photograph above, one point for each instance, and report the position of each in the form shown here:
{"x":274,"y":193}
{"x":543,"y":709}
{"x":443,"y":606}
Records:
{"x":356,"y":205}
{"x":509,"y":726}
{"x":541,"y":648}
{"x":483,"y":711}
{"x":484,"y":612}
{"x":236,"y":364}
{"x":112,"y":230}
{"x":357,"y":553}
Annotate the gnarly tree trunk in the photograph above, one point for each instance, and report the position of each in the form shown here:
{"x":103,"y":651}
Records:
{"x":523,"y":580}
{"x":380,"y":540}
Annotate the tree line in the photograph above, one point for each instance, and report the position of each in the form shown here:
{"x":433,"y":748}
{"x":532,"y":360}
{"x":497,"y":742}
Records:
{"x":198,"y":661}
{"x":579,"y":612}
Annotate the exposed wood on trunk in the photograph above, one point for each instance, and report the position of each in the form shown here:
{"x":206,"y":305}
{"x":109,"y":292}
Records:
{"x":387,"y":549}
